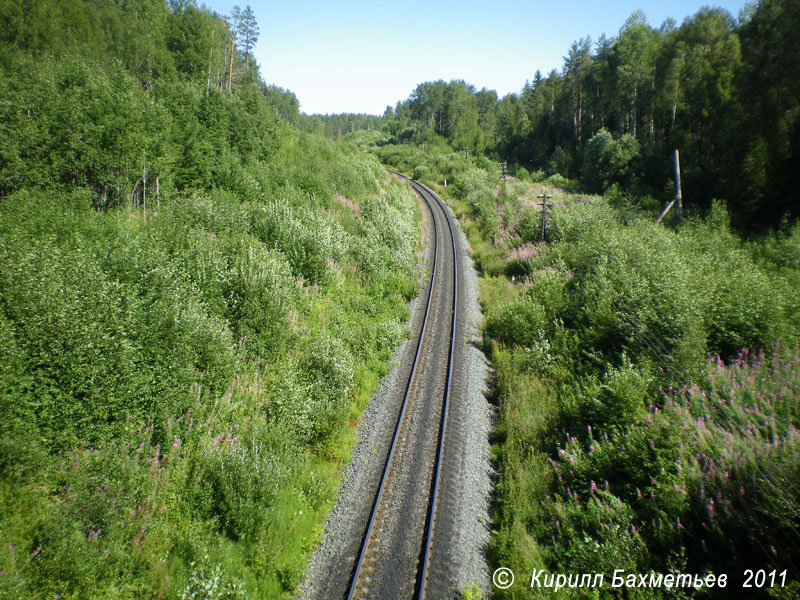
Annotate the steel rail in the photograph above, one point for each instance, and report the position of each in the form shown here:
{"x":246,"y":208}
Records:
{"x":443,"y":425}
{"x":376,"y":504}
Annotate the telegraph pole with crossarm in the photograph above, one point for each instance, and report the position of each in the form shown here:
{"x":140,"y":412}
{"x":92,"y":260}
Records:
{"x":545,"y":204}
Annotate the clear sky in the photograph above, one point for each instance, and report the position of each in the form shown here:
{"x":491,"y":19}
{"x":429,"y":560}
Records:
{"x":360,"y":56}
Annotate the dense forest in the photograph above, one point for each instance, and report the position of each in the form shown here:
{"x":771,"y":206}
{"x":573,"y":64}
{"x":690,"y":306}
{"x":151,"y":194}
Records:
{"x":335,"y":126}
{"x":105,"y":94}
{"x":196,"y":299}
{"x":722,"y":91}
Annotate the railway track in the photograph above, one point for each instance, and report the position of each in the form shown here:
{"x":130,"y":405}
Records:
{"x":407,"y":523}
{"x":397,"y":557}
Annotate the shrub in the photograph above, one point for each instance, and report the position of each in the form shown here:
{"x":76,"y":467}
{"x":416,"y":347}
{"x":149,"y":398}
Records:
{"x":260,"y":293}
{"x":517,"y":322}
{"x":607,"y":160}
{"x":307,"y":236}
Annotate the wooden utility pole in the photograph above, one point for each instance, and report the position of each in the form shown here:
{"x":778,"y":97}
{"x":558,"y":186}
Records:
{"x":144,"y":185}
{"x":678,"y":196}
{"x":544,"y":198}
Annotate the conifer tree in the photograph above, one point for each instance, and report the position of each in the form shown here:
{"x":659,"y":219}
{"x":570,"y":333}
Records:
{"x":247,"y":33}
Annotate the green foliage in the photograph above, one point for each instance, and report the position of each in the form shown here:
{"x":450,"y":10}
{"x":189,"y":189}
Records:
{"x":73,"y":122}
{"x":365,"y":127}
{"x":623,"y":443}
{"x":194,"y":300}
{"x":634,"y":431}
{"x":135,"y":113}
{"x":99,"y":347}
{"x":520,"y":322}
{"x":724,"y":93}
{"x":108,"y":323}
{"x":608,"y":161}
{"x":207,"y":583}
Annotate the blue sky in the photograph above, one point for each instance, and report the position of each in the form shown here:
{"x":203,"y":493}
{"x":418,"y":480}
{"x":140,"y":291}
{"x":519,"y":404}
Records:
{"x":362,"y":56}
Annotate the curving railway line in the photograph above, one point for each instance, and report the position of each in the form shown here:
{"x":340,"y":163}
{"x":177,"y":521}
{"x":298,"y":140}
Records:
{"x":398,"y":545}
{"x":399,"y":527}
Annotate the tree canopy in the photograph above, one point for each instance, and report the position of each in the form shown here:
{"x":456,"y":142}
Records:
{"x":722,"y":91}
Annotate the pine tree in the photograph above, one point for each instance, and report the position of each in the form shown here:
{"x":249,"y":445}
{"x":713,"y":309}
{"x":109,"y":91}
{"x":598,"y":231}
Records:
{"x":247,"y":30}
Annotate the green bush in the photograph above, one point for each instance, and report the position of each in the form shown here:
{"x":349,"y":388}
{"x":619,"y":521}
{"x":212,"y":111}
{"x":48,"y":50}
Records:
{"x":615,"y":427}
{"x":518,"y":323}
{"x":607,"y":160}
{"x":306,"y":236}
{"x":260,"y":294}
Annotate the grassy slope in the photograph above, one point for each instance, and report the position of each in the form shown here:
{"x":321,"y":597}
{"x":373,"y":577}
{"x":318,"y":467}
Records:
{"x":620,"y":444}
{"x":177,"y":393}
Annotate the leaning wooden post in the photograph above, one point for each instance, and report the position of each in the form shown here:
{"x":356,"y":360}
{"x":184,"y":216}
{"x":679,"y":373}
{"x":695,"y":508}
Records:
{"x":678,"y":199}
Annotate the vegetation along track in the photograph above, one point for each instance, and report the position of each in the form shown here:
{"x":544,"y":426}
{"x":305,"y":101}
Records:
{"x":408,"y":519}
{"x":398,"y":544}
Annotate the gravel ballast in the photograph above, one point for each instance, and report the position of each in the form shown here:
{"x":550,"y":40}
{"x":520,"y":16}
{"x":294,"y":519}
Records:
{"x":461,"y":541}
